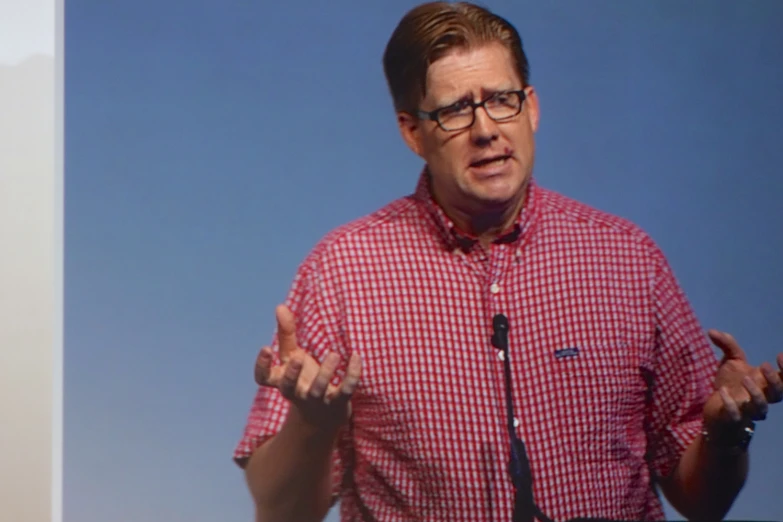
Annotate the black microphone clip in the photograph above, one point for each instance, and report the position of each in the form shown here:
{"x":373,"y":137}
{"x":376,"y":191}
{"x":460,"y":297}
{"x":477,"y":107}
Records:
{"x":500,"y":332}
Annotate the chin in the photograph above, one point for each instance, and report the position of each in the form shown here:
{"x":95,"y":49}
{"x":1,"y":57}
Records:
{"x":492,"y":202}
{"x":502,"y":192}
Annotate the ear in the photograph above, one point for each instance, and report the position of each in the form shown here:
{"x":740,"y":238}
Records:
{"x":410,"y":131}
{"x":533,"y":114}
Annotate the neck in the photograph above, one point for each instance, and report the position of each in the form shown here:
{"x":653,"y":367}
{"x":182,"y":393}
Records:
{"x":487,"y":225}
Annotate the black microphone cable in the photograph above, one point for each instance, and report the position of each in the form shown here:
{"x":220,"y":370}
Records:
{"x":525,"y":508}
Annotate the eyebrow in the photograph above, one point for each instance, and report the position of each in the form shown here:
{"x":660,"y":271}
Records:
{"x":486,"y":93}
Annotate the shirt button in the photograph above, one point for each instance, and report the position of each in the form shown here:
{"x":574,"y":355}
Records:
{"x":501,"y":355}
{"x":516,"y":423}
{"x":494,"y":288}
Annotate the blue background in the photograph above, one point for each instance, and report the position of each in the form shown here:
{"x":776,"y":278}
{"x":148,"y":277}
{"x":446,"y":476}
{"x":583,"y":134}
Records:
{"x":210,"y":144}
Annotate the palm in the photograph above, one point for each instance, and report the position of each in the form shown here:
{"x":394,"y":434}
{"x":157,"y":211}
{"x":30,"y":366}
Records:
{"x":731,"y":373}
{"x":304,"y":381}
{"x":741,"y":390}
{"x":277,"y":372}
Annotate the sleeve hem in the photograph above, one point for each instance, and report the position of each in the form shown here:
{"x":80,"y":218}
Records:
{"x":681,"y":437}
{"x":247,"y":447}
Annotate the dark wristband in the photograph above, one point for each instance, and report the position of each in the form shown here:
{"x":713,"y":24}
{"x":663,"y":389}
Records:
{"x":734,"y":440}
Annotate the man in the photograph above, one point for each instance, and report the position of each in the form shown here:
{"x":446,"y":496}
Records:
{"x":484,"y":324}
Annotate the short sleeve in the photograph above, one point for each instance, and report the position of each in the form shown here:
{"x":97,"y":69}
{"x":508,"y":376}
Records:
{"x":317,"y":328}
{"x":684,"y":369}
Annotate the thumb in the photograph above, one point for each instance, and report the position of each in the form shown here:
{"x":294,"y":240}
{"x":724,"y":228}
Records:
{"x":286,"y":332}
{"x":728,"y":345}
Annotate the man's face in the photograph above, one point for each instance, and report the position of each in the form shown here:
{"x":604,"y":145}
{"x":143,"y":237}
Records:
{"x":485,"y":167}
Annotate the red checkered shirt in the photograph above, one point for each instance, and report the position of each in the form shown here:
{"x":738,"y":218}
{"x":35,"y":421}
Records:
{"x":610,"y":366}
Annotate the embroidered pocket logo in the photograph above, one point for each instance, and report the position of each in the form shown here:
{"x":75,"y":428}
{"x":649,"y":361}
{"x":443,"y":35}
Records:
{"x":566,"y":352}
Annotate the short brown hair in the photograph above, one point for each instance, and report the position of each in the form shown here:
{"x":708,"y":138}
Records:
{"x":428,"y":32}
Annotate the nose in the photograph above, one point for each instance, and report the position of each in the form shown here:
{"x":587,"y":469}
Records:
{"x":484,"y":129}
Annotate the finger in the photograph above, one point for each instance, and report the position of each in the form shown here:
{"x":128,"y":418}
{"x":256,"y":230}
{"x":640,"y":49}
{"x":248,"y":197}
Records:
{"x":757,"y":407}
{"x":730,"y":406}
{"x":291,"y":377}
{"x":286,"y":332}
{"x":774,"y":383}
{"x":780,"y":363}
{"x":263,"y":367}
{"x":325,"y":374}
{"x":351,"y":379}
{"x":728,"y":345}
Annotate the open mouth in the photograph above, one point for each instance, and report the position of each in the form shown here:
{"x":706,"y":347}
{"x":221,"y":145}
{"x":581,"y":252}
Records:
{"x":495,"y":160}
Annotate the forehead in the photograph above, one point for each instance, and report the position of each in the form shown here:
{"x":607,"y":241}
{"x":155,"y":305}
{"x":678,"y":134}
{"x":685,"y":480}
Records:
{"x":471,"y":71}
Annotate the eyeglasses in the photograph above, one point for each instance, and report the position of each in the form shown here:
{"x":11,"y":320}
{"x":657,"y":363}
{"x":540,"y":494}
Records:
{"x":500,"y":106}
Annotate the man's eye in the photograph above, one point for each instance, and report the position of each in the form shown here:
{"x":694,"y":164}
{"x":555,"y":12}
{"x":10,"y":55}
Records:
{"x":501,"y":99}
{"x":455,"y":109}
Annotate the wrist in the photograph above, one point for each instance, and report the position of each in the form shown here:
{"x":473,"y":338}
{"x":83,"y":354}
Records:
{"x":312,"y":430}
{"x":729,"y":438}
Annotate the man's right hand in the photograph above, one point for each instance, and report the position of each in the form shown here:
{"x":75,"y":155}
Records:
{"x":305,"y":383}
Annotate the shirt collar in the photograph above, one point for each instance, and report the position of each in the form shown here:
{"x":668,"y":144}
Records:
{"x":455,"y":238}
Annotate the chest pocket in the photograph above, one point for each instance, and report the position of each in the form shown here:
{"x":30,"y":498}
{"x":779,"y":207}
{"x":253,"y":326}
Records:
{"x":602,"y":397}
{"x":595,"y":363}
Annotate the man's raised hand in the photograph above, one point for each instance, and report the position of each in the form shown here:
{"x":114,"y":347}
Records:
{"x":303,"y":381}
{"x":743,"y":391}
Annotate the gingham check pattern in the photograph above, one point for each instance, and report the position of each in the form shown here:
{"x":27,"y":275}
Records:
{"x":427,"y":441}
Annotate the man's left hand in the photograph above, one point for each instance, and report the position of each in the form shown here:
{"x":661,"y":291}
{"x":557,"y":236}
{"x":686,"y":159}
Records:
{"x":742,"y":392}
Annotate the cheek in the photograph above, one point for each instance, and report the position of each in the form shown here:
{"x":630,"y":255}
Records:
{"x":521,"y":141}
{"x":524,"y":135}
{"x":447,"y":152}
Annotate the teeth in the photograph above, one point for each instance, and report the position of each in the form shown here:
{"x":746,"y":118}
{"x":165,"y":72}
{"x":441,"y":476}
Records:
{"x":488,"y":162}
